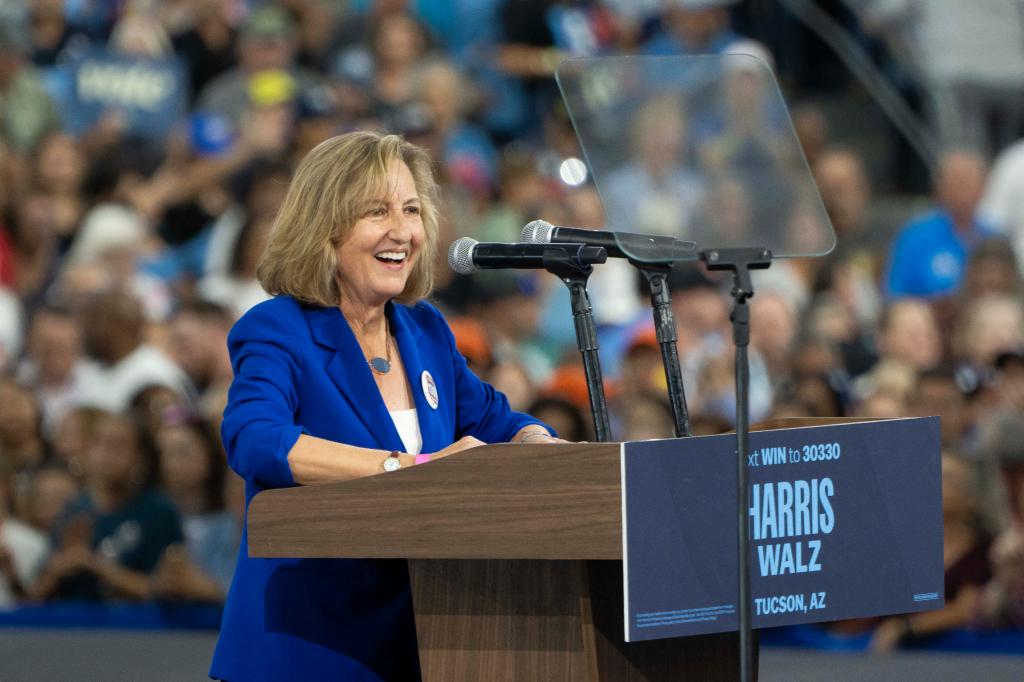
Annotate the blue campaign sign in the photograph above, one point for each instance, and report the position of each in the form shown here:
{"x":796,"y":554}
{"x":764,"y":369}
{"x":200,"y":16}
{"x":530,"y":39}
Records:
{"x":845,"y":520}
{"x":148,"y":94}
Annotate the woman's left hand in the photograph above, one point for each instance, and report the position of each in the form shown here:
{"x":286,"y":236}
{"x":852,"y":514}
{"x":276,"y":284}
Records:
{"x":534,"y":435}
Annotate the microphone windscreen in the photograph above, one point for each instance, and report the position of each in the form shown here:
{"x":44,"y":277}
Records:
{"x":460,"y":256}
{"x":538,"y":232}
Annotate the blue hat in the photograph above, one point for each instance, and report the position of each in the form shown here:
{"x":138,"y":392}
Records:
{"x":210,"y":134}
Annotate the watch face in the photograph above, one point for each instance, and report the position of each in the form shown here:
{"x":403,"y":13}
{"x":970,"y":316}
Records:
{"x":392,"y":464}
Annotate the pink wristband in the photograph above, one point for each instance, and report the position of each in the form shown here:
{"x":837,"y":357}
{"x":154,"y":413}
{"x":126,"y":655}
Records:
{"x":424,"y":457}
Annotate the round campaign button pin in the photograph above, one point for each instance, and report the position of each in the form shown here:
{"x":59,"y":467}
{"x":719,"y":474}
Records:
{"x":429,"y":389}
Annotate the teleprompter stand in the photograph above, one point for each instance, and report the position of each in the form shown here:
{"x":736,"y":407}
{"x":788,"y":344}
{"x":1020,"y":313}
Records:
{"x":740,"y":261}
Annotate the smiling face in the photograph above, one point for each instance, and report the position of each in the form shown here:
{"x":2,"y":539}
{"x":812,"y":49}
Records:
{"x":377,"y":256}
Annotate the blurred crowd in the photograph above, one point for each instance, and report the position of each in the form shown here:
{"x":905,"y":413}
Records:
{"x":146,"y":145}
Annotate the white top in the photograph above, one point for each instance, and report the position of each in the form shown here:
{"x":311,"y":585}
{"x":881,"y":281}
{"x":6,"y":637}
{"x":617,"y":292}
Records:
{"x":408,"y":426}
{"x":28,"y":549}
{"x":112,"y":387}
{"x":1003,"y":202}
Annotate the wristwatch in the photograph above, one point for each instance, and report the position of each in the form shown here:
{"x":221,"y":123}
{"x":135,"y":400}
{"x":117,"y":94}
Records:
{"x":392,"y":463}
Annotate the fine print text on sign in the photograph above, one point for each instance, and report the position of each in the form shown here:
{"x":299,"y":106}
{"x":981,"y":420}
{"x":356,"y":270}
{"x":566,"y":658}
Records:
{"x":845,"y":522}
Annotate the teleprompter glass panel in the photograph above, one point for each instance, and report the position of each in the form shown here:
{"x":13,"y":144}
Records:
{"x":700,"y":148}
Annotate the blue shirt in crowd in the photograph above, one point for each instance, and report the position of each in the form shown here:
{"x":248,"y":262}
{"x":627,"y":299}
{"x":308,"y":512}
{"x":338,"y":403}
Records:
{"x":929,"y":256}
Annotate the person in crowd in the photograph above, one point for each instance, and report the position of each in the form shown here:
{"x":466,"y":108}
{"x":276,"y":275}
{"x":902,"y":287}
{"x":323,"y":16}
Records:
{"x":150,"y":408}
{"x":23,"y":551}
{"x":463,"y":147}
{"x":266,"y":43}
{"x":564,"y":417}
{"x":397,"y":43}
{"x":36,"y":248}
{"x":54,"y":364}
{"x":472,"y":342}
{"x":929,"y":255}
{"x":881,"y":404}
{"x":53,"y":487}
{"x":206,"y":44}
{"x":509,"y":309}
{"x":1003,"y":201}
{"x":72,"y":436}
{"x":656,"y":191}
{"x":198,"y":335}
{"x":702,"y":324}
{"x":113,"y":327}
{"x":988,"y":327}
{"x":27,"y":112}
{"x":645,"y":416}
{"x":909,"y":336}
{"x":50,"y":33}
{"x":640,"y":370}
{"x":847,"y":278}
{"x":192,"y":472}
{"x":374,"y":385}
{"x":693,"y":27}
{"x":965,"y":548}
{"x":936,"y":393}
{"x":139,"y":35}
{"x":513,"y":381}
{"x":521,"y":193}
{"x":58,"y":173}
{"x":817,"y":396}
{"x":114,"y":238}
{"x":774,"y":325}
{"x":23,"y":450}
{"x":812,"y":130}
{"x":109,"y":540}
{"x":230,"y":279}
{"x":1002,"y":602}
{"x":845,"y":190}
{"x":992,"y":270}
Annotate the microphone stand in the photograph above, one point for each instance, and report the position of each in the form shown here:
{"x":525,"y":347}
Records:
{"x":575,"y":278}
{"x":656,"y":275}
{"x":740,"y":261}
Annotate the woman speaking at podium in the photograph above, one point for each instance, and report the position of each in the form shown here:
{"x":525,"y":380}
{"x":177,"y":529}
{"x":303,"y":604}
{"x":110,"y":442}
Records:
{"x":346,"y":372}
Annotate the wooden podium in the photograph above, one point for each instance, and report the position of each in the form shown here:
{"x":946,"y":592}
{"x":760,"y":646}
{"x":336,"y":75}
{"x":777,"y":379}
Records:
{"x":514,"y":557}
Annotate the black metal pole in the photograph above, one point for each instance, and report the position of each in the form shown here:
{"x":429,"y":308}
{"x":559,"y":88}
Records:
{"x":665,"y":331}
{"x":740,"y":262}
{"x":586,"y":341}
{"x":741,"y":337}
{"x":575,"y":276}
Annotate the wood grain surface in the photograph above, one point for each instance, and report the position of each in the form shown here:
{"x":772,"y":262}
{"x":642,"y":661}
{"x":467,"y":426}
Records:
{"x":500,"y":620}
{"x":493,"y":502}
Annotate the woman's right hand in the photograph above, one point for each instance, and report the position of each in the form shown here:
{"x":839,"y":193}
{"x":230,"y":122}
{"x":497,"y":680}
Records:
{"x":464,"y":443}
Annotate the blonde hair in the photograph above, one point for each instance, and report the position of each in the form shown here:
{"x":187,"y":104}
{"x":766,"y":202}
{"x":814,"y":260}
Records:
{"x":324,"y":201}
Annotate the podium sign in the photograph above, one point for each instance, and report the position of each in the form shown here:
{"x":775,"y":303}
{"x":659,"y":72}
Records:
{"x":846,"y":522}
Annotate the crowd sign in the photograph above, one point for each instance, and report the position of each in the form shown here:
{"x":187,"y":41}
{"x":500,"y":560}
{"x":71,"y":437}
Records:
{"x":845,"y":522}
{"x":148,"y":95}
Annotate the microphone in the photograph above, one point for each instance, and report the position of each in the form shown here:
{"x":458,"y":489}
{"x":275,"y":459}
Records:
{"x":642,"y":247}
{"x":467,"y":255}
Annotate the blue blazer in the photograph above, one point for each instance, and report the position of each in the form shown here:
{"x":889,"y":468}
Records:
{"x":298,"y":369}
